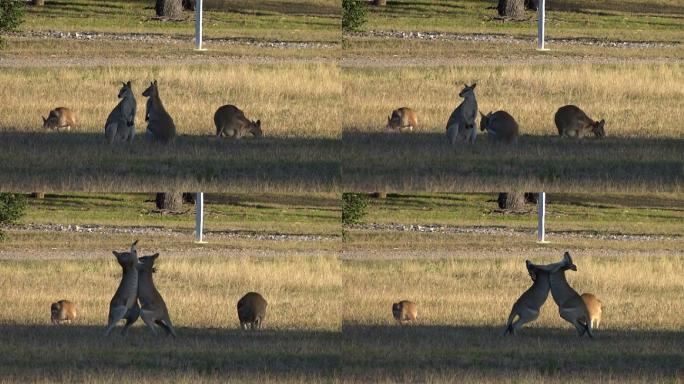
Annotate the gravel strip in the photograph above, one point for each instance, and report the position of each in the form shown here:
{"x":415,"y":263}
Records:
{"x":170,"y":232}
{"x":492,"y":230}
{"x":499,"y":38}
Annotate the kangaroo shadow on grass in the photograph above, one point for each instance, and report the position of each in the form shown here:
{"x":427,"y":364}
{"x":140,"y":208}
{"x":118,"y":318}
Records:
{"x":86,"y":161}
{"x":424,"y":350}
{"x":422,"y":160}
{"x":46,"y":350}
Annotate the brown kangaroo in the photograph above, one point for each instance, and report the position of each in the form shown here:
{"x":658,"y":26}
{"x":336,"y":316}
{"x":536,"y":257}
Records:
{"x":404,"y":311}
{"x":500,"y":125}
{"x":60,"y":117}
{"x":251,"y":309}
{"x":401,"y":119}
{"x":230,"y":121}
{"x":573,"y":122}
{"x":62,"y":311}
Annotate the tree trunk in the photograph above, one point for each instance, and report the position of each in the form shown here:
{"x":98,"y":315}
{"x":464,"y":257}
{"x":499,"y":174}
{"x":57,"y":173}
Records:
{"x":189,"y":5}
{"x":39,"y":3}
{"x":171,"y":9}
{"x":531,"y":197}
{"x":169,"y":201}
{"x":514,"y":9}
{"x":512,"y":201}
{"x":379,"y":195}
{"x":189,"y":197}
{"x":380,"y":3}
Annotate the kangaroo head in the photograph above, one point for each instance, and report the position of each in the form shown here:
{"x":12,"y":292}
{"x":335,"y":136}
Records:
{"x":567,"y":262}
{"x":125,"y":90}
{"x":598,"y":130}
{"x":396,"y":309}
{"x":255,"y":128}
{"x":45,"y":122}
{"x":484,"y":120}
{"x":146,"y":263}
{"x":389,"y":122}
{"x":468,"y":90}
{"x":127,"y":259}
{"x":151,"y":90}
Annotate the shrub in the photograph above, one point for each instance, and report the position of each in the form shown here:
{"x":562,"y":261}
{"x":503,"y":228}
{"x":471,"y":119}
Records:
{"x":12,"y":207}
{"x":353,"y":14}
{"x":354,"y":207}
{"x":11,"y":13}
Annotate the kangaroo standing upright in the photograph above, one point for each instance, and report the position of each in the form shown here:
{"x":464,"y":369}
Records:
{"x":160,"y":125}
{"x":462,"y":120}
{"x":152,"y":306}
{"x":526,"y":308}
{"x":571,"y":307}
{"x":124,"y":304}
{"x":120,"y":123}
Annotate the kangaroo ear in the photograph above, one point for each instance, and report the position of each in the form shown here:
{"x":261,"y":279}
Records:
{"x":155,"y":82}
{"x":602,"y":122}
{"x":482,"y":114}
{"x":44,"y":119}
{"x":473,"y":86}
{"x":115,"y":253}
{"x":129,"y":83}
{"x":258,"y":123}
{"x":154,"y":257}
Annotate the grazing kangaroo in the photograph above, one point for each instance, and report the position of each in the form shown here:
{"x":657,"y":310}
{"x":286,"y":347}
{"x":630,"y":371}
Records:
{"x":60,"y":117}
{"x":120,"y":123}
{"x":526,"y":308}
{"x":462,"y":120}
{"x":62,"y":311}
{"x":230,"y":121}
{"x":404,"y":311}
{"x":251,"y":309}
{"x":594,"y":306}
{"x":152,"y":306}
{"x":573,"y":122}
{"x":570,"y":305}
{"x":500,"y":125}
{"x":402,"y":118}
{"x":160,"y":125}
{"x":124,"y":304}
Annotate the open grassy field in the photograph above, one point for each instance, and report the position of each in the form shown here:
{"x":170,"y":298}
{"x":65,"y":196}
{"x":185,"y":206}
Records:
{"x":463,"y":303}
{"x":299,"y":340}
{"x":628,"y":251}
{"x":659,"y":20}
{"x":640,"y":153}
{"x":233,"y":224}
{"x":297,"y":104}
{"x":127,"y":30}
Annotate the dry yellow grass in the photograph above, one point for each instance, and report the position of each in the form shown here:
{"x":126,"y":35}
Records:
{"x":292,"y":100}
{"x":635,"y":100}
{"x":298,"y":340}
{"x":463,"y":303}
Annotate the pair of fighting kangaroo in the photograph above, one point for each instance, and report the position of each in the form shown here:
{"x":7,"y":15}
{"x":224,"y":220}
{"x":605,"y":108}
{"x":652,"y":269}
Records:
{"x":581,"y":311}
{"x":137,"y":296}
{"x":120,"y":125}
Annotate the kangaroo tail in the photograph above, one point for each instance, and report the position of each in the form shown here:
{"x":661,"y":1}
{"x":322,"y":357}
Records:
{"x":168,"y":327}
{"x":509,"y":324}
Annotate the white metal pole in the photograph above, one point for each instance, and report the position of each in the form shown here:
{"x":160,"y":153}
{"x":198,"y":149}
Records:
{"x":199,"y":217}
{"x":541,"y":217}
{"x":198,"y":25}
{"x":541,"y":16}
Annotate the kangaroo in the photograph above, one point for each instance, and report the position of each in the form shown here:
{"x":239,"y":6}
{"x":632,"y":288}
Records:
{"x":401,"y":119}
{"x":230,"y":121}
{"x":60,"y":117}
{"x":251,"y":309}
{"x":462,"y":120}
{"x":152,"y":306}
{"x":124,"y":304}
{"x":594,"y":306}
{"x":570,"y":305}
{"x":120,"y":123}
{"x":526,"y":308}
{"x":404,"y":311}
{"x":160,"y":125}
{"x":573,"y":122}
{"x":500,"y":125}
{"x":62,"y":311}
